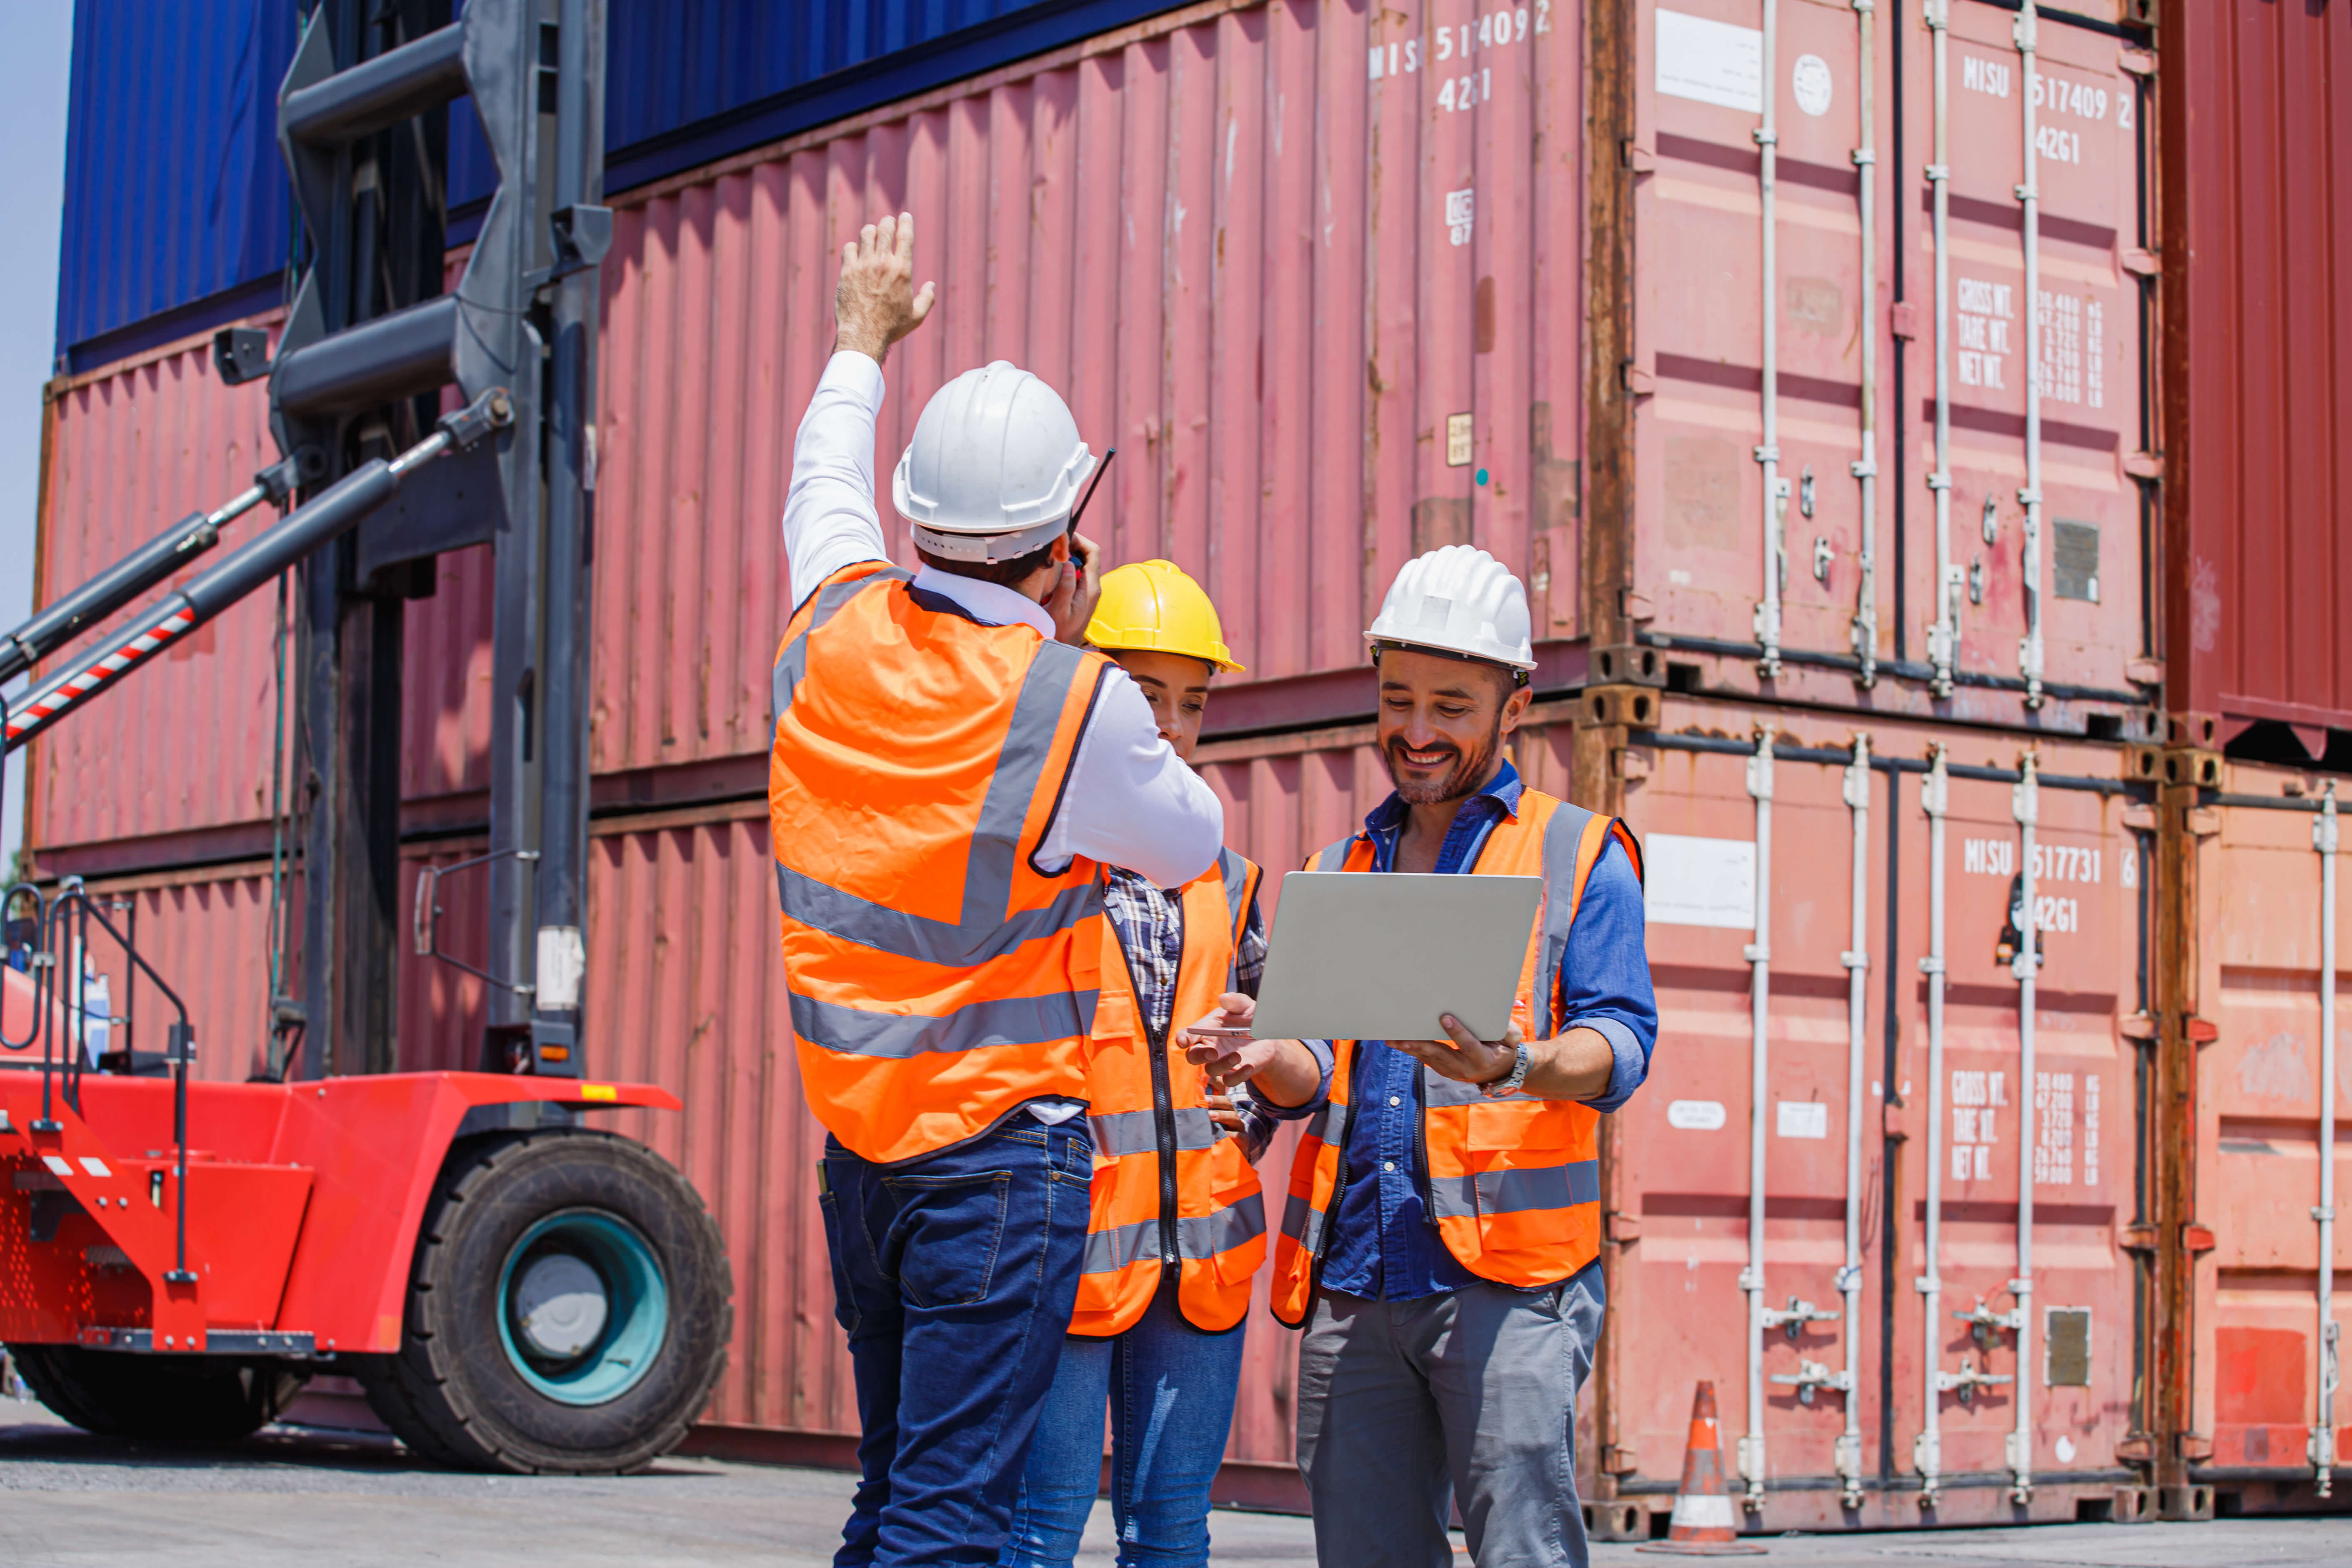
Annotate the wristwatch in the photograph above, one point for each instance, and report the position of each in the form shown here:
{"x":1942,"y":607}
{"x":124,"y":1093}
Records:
{"x":1509,"y":1084}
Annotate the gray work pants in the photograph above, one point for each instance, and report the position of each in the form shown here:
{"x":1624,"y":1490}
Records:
{"x":1468,"y":1396}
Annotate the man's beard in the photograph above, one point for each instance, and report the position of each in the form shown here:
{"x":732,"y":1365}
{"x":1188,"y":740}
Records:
{"x":1468,"y":771}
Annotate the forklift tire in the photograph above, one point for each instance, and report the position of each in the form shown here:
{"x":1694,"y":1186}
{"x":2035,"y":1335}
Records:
{"x":569,"y":1310}
{"x":187,"y":1398}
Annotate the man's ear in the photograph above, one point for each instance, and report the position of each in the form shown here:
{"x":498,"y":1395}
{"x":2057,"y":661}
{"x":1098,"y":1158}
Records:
{"x":1515,"y":707}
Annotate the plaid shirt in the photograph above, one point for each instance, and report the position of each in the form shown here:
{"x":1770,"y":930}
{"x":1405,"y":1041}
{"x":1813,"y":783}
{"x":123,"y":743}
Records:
{"x":1151,"y":926}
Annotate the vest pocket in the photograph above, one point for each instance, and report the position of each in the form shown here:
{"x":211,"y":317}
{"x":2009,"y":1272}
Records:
{"x":1115,"y":1015}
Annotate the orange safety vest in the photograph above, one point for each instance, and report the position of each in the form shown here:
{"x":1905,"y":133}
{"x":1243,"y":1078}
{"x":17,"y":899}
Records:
{"x":1169,"y":1187}
{"x":1514,"y":1185}
{"x":939,"y":978}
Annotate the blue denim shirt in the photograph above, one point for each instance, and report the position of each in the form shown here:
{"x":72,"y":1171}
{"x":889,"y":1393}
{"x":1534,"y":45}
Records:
{"x":1383,"y":1244}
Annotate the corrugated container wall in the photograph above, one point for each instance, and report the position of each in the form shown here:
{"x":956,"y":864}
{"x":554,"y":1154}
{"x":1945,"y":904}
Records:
{"x":185,"y":749}
{"x":2258,"y":258}
{"x":1792,"y":902}
{"x":1837,"y":399}
{"x":177,"y":210}
{"x":2267,"y":1327}
{"x":1223,"y":239}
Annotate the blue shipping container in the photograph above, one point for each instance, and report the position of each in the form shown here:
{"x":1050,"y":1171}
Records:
{"x":177,"y":216}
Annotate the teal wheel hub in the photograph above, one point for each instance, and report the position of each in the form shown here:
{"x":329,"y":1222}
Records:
{"x":584,"y":1308}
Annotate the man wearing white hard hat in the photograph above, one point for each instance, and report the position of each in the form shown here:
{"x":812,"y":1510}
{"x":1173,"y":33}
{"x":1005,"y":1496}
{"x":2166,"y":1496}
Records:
{"x":1441,"y":1242}
{"x":950,"y":774}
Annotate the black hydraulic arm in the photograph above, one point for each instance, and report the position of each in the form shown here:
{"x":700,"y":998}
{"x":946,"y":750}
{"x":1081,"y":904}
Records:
{"x":132,"y":576}
{"x":335,"y":511}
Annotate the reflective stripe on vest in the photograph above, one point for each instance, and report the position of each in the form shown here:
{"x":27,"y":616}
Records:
{"x":1205,"y":1192}
{"x":1198,"y":1236}
{"x":938,"y":978}
{"x":1513,"y":1186}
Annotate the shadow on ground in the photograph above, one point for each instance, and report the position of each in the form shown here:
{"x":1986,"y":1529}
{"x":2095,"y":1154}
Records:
{"x":299,"y":1499}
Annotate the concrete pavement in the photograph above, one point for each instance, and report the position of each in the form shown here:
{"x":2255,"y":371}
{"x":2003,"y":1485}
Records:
{"x":301,"y":1500}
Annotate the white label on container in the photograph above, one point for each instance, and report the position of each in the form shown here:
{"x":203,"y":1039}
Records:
{"x":1976,"y":1096}
{"x":1700,"y":881}
{"x":2053,"y":1129}
{"x":1804,"y":1119}
{"x":1695,"y":1115}
{"x":1809,"y":81}
{"x":1713,"y":62}
{"x":1459,"y":210}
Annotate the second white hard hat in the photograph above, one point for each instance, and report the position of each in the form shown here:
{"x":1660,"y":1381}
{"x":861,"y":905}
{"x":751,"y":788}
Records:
{"x":1457,"y":600}
{"x":995,"y":467}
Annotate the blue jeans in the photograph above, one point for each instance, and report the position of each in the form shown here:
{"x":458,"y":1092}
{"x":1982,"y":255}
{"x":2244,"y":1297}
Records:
{"x":955,"y":1275}
{"x":1171,"y":1391}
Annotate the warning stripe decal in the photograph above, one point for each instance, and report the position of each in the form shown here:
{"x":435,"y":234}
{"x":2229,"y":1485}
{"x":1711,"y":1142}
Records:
{"x":41,"y":710}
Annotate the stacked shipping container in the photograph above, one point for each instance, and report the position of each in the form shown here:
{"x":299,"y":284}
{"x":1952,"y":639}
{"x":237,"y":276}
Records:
{"x":1654,"y":302}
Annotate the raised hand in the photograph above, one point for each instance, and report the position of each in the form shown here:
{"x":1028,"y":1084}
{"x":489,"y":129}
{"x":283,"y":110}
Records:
{"x":876,"y":303}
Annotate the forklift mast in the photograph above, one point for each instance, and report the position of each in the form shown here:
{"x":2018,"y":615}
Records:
{"x":376,"y":344}
{"x":513,"y":1289}
{"x":373,"y":340}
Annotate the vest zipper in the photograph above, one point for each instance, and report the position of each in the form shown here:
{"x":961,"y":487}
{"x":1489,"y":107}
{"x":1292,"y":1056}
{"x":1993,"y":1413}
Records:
{"x":1421,"y":1141}
{"x":1163,"y":1110}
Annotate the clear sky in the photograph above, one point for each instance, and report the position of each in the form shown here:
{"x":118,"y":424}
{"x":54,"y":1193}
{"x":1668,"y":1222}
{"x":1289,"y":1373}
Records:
{"x":34,"y":67}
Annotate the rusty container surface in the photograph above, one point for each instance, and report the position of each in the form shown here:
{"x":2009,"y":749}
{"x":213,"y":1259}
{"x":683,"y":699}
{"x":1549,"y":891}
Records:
{"x":2258,"y":251}
{"x":1313,"y":273}
{"x":185,"y":748}
{"x":2261,"y":1352}
{"x":1319,"y":274}
{"x":130,"y":451}
{"x":1705,"y":421}
{"x":1679,"y":1193}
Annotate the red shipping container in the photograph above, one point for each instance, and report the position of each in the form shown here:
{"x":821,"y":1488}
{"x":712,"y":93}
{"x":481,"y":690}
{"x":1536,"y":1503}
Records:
{"x":2259,"y":1136}
{"x":1319,"y":275}
{"x":183,"y":750}
{"x":2258,"y":367}
{"x":1850,"y":419}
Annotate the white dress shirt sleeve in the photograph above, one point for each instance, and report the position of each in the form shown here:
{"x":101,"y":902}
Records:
{"x":1131,"y":801}
{"x":829,"y":517}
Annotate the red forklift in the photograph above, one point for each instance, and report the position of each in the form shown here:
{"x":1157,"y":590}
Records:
{"x":514,"y":1288}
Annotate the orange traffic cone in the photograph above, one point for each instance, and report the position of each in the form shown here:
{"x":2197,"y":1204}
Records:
{"x":1704,"y":1524}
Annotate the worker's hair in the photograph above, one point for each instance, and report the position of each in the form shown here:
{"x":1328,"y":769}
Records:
{"x":1004,"y":574}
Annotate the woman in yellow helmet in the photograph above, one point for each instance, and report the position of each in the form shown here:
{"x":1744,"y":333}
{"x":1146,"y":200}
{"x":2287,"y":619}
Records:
{"x":1177,"y":1223}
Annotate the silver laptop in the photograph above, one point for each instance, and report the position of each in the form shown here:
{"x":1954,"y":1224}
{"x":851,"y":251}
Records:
{"x":1358,"y":957}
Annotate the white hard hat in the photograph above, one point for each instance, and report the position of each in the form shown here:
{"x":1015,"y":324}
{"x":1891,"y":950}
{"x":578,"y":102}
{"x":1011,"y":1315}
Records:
{"x":1459,"y":600}
{"x":995,"y":467}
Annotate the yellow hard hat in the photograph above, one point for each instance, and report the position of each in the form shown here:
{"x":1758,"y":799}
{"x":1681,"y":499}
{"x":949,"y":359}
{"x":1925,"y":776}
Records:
{"x":1153,"y":606}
